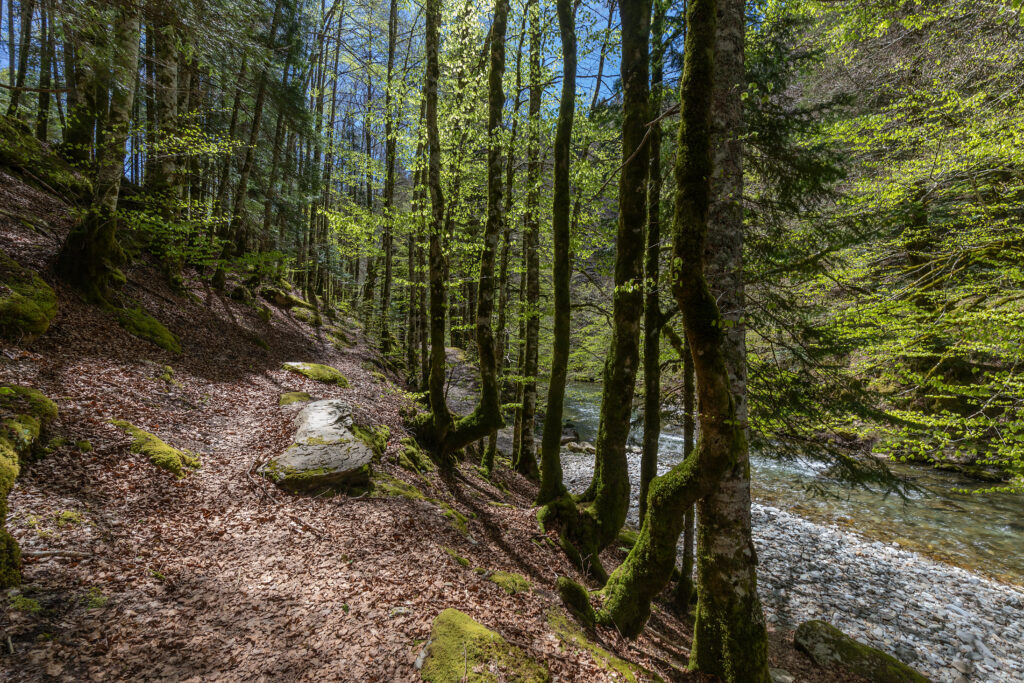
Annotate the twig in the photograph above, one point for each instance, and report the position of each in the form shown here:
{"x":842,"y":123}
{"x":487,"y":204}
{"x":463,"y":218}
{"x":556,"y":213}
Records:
{"x":305,"y":525}
{"x":54,"y":553}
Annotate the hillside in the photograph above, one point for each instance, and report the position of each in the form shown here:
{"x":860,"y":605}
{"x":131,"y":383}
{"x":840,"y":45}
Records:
{"x":131,"y":573}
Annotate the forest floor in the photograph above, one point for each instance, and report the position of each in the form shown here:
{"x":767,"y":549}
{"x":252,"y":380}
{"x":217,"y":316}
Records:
{"x":220,"y":576}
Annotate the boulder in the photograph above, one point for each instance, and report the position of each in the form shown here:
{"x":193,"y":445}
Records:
{"x":569,"y":433}
{"x":828,"y":646}
{"x":325,"y":454}
{"x":461,"y":649}
{"x":318,"y":372}
{"x":581,"y":447}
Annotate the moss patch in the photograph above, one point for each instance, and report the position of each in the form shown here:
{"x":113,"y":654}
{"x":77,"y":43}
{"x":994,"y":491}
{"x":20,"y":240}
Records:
{"x":318,"y":372}
{"x":576,"y":600}
{"x":138,"y":322}
{"x":20,"y":603}
{"x":413,"y":458}
{"x":384,"y":486}
{"x":461,"y":649}
{"x":308,"y":316}
{"x":177,"y":462}
{"x":455,"y":556}
{"x":69,"y":518}
{"x":827,"y":646}
{"x":290,"y":397}
{"x":572,"y":636}
{"x":27,"y":304}
{"x":84,"y":446}
{"x":375,"y":437}
{"x":35,"y":163}
{"x":511,"y":582}
{"x":283,"y":299}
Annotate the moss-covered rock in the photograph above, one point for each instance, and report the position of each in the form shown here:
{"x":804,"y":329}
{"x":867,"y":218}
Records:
{"x":828,"y":646}
{"x":576,"y":600}
{"x":177,"y":462}
{"x":318,"y":372}
{"x":283,"y":299}
{"x":308,"y":316}
{"x":461,"y":649}
{"x":572,"y":636}
{"x":25,"y":415}
{"x":376,"y":437}
{"x":36,"y":163}
{"x":325,"y":454}
{"x":144,"y":326}
{"x":510,"y":582}
{"x":290,"y":397}
{"x":27,"y":304}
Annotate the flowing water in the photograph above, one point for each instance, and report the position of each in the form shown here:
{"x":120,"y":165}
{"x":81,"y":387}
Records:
{"x":981,"y":532}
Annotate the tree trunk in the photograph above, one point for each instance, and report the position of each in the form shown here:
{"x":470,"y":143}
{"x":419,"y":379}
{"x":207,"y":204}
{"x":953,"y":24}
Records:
{"x":163,"y":180}
{"x":27,"y":9}
{"x":389,"y":181}
{"x":525,"y":461}
{"x":441,"y":435}
{"x":652,"y":308}
{"x":90,"y":256}
{"x":551,"y":487}
{"x":602,"y":519}
{"x":729,"y":633}
{"x":45,"y":40}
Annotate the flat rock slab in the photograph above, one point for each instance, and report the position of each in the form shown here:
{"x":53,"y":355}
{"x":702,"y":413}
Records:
{"x":325,"y":453}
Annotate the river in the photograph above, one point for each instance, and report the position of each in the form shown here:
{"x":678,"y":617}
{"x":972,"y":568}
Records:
{"x":981,"y":532}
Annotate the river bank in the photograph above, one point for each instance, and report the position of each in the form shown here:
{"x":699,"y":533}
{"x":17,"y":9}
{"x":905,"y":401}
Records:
{"x":951,"y":624}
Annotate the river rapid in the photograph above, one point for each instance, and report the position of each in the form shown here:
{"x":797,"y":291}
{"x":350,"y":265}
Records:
{"x":856,"y":557}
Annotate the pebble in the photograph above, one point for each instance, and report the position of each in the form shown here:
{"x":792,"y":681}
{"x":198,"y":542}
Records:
{"x":930,"y":615}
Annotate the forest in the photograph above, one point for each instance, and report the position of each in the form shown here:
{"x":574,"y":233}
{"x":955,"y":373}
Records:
{"x":532,"y":340}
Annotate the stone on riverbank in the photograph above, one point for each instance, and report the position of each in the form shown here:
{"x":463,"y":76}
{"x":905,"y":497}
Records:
{"x":827,"y":645}
{"x":325,"y":454}
{"x":462,"y":649}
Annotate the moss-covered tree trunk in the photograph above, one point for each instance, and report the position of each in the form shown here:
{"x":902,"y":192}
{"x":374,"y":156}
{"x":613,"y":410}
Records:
{"x":90,"y":256}
{"x":443,"y":435}
{"x":389,"y":181}
{"x":161,"y":181}
{"x":684,"y":589}
{"x":487,"y":462}
{"x":24,"y":45}
{"x":730,"y":632}
{"x":45,"y":53}
{"x":525,"y":460}
{"x":652,"y":308}
{"x":600,"y":522}
{"x":551,"y":487}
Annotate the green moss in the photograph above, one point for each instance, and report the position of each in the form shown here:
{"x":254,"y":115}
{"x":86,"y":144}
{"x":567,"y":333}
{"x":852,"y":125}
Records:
{"x":283,"y":299}
{"x":308,"y":316}
{"x":144,"y":326}
{"x":69,"y":518}
{"x":576,"y":600}
{"x":25,"y":156}
{"x":318,"y":372}
{"x":20,"y":603}
{"x":177,"y":462}
{"x":461,"y":649}
{"x":511,"y":582}
{"x":384,"y":486}
{"x":376,"y":437}
{"x":84,"y":445}
{"x":95,"y":599}
{"x":413,"y":458}
{"x":455,"y":556}
{"x":264,"y":314}
{"x":10,"y":560}
{"x":572,"y":636}
{"x":828,"y":646}
{"x":27,"y":304}
{"x":290,"y":397}
{"x":628,"y":538}
{"x":458,"y":520}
